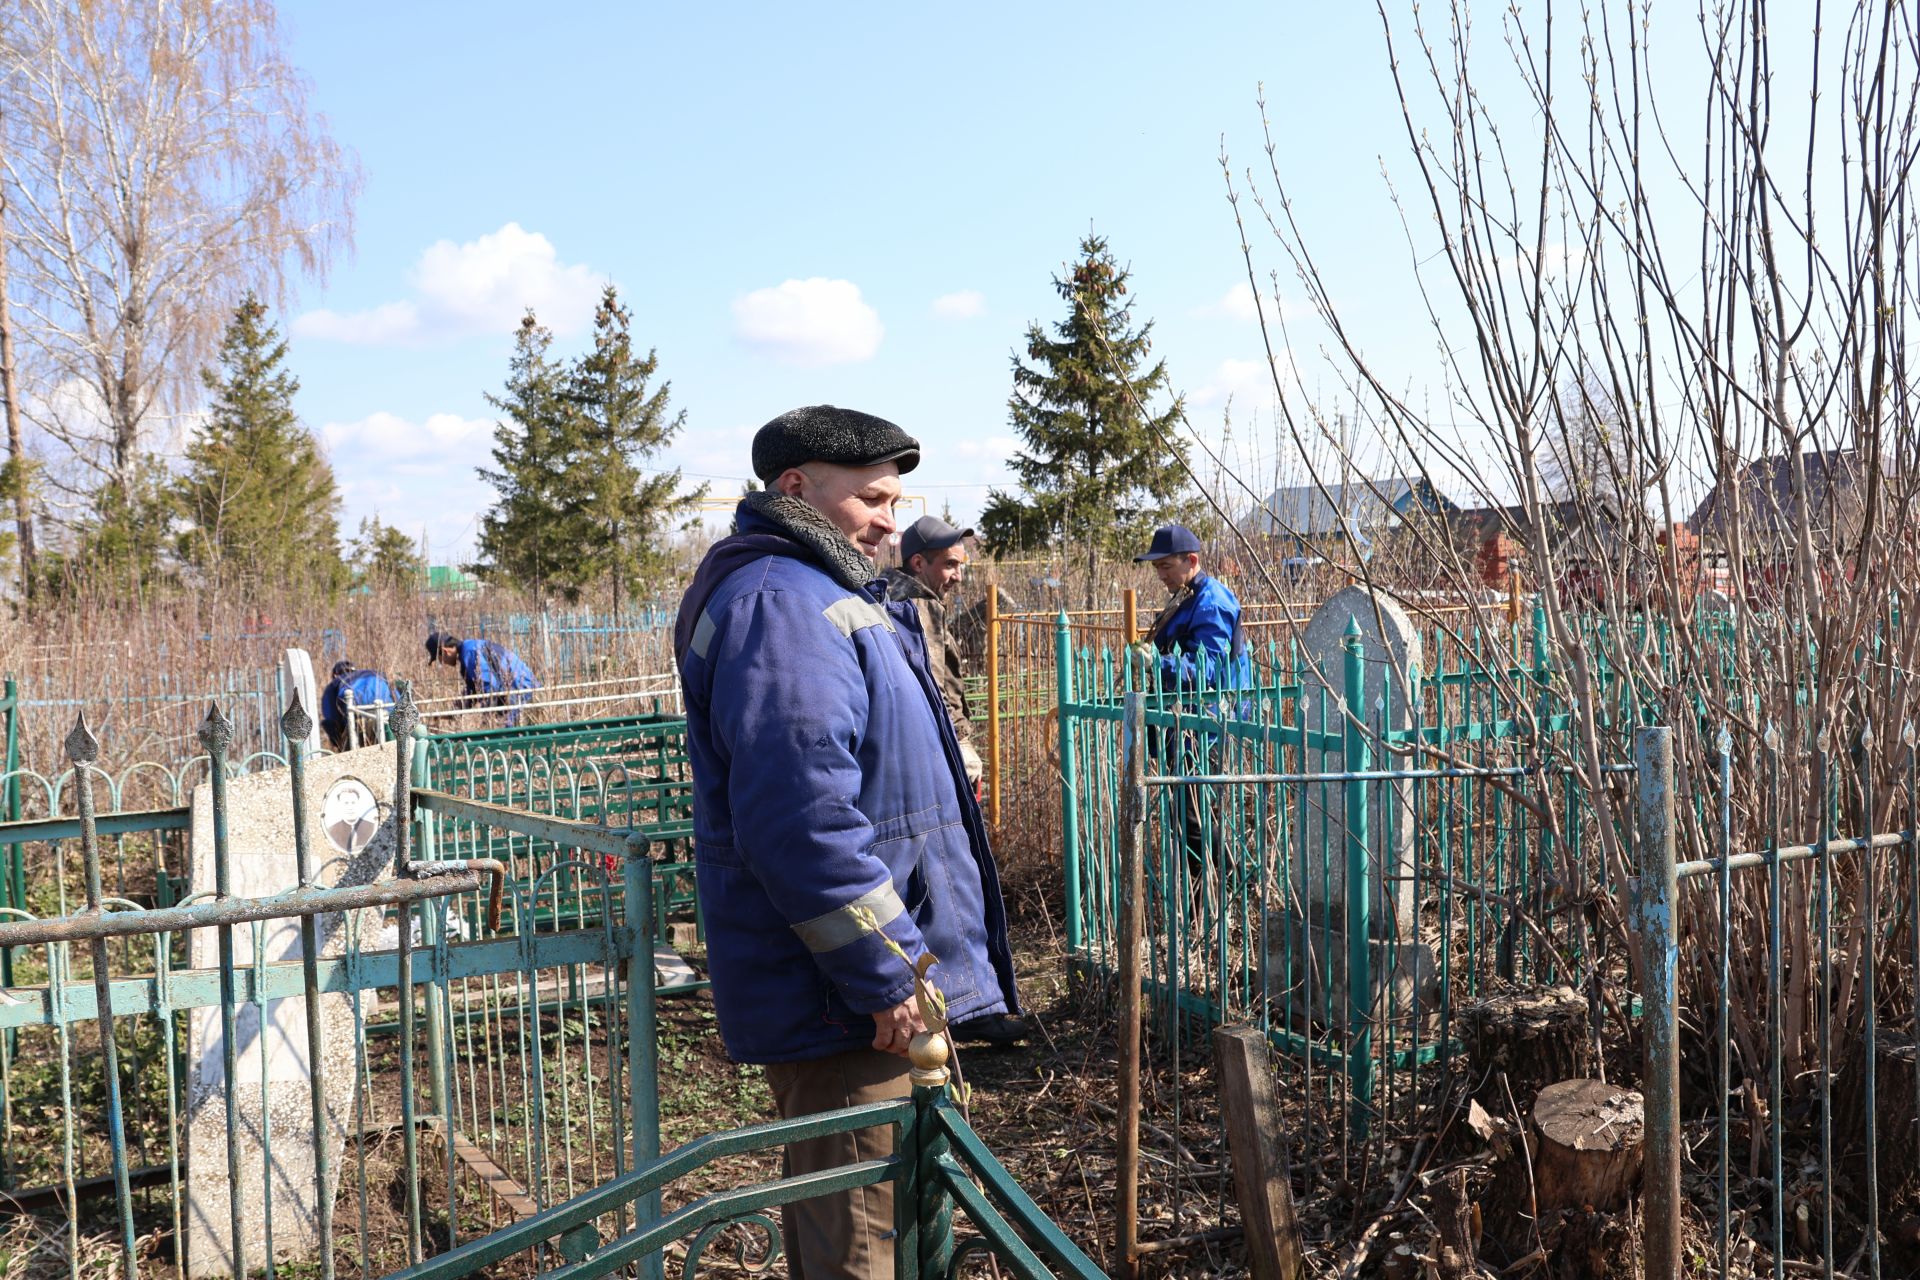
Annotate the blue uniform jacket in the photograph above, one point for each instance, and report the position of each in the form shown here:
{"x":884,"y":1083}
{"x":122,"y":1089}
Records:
{"x":370,"y":688}
{"x":1201,"y":641}
{"x":490,"y":668}
{"x":829,"y":798}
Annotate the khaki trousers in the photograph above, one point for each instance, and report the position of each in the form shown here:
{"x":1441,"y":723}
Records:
{"x":848,"y":1236}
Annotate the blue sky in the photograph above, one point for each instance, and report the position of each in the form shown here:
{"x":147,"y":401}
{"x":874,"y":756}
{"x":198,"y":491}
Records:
{"x":853,"y":204}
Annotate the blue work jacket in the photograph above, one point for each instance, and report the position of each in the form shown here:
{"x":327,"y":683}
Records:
{"x":370,"y":689}
{"x":830,"y":803}
{"x":490,"y":669}
{"x":1201,"y":642}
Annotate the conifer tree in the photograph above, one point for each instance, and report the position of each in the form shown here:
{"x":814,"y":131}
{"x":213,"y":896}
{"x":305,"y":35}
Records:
{"x":1096,"y":471}
{"x":257,"y":495}
{"x":534,"y":532}
{"x":383,"y":556}
{"x":619,"y":424}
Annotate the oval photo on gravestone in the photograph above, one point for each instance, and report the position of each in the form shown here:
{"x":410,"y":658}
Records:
{"x":350,"y":815}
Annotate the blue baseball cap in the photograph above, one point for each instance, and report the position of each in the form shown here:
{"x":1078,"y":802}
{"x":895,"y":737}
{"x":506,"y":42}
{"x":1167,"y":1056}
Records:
{"x":1170,"y":540}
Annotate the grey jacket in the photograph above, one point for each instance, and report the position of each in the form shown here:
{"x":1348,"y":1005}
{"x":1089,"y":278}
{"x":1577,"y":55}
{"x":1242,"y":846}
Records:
{"x":943,"y":659}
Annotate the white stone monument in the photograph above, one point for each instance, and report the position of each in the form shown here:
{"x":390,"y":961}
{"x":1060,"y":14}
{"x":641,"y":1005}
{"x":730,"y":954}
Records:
{"x":1317,"y":946}
{"x":350,"y":841}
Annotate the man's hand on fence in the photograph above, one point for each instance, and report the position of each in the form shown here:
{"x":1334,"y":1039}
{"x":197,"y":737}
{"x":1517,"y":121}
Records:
{"x":895,"y":1027}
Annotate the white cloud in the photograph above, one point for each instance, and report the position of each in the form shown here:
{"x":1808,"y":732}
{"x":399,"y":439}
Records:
{"x":481,"y":286}
{"x":964,"y":305}
{"x":1240,"y":380}
{"x":1236,"y":303}
{"x":416,"y":476}
{"x":1557,"y":260}
{"x":387,"y":438}
{"x":809,"y":322}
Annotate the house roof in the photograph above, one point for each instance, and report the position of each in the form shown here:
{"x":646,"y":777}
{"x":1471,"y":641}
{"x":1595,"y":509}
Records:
{"x":1765,"y":486}
{"x":1316,"y":510}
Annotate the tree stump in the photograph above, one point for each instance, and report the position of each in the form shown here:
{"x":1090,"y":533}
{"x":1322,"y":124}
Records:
{"x":1456,"y":1220}
{"x":1586,"y":1146}
{"x":1897,"y":1135}
{"x":1535,"y":1036}
{"x":1564,"y":1189}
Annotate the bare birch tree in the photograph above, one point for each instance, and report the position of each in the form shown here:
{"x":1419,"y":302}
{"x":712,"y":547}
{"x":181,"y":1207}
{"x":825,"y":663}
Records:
{"x":160,"y":161}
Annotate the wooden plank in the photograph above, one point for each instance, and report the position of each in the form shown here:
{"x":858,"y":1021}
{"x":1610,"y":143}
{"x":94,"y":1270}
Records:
{"x":1260,"y":1180}
{"x":498,"y":1180}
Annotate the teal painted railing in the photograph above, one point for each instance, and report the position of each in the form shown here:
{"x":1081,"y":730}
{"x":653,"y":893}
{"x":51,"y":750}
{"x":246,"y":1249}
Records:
{"x":939,"y":1169}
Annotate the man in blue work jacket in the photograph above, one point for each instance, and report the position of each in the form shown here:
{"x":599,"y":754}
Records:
{"x":1198,"y":647}
{"x":353,"y":693}
{"x":494,"y":674}
{"x":833,"y":820}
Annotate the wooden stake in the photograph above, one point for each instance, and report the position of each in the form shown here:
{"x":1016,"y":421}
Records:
{"x":1260,"y":1181}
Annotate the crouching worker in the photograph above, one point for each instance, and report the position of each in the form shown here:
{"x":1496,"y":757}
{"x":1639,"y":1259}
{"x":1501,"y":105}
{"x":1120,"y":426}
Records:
{"x":353,"y":707}
{"x":494,"y":675}
{"x":833,"y":820}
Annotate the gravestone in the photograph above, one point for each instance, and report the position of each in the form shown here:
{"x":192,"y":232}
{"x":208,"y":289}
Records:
{"x":1310,"y":955}
{"x":351,"y":841}
{"x":300,"y":682}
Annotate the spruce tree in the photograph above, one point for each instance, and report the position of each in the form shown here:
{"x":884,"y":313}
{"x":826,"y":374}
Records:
{"x":536,"y":529}
{"x":619,"y":424}
{"x":383,"y":556}
{"x":257,"y":495}
{"x":1097,"y":472}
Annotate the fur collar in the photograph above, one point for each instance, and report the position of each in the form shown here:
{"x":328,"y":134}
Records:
{"x":816,"y":534}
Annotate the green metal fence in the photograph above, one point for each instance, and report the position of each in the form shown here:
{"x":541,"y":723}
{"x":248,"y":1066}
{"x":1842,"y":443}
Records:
{"x":1343,"y":857}
{"x":462,"y":1079}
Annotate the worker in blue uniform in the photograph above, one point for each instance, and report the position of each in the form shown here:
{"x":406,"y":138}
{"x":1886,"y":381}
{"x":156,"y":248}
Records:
{"x":353,"y":692}
{"x":1197,"y":648}
{"x":494,"y":675}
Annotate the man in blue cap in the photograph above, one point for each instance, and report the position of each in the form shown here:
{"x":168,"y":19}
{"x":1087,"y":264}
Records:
{"x":1198,"y":635}
{"x":1197,"y":644}
{"x":494,"y":675}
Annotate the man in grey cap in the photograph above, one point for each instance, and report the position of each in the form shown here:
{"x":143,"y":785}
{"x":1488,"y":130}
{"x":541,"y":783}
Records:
{"x":933,"y":558}
{"x":836,"y":839}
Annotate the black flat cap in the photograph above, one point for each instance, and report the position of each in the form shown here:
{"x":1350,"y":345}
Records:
{"x":824,"y":433}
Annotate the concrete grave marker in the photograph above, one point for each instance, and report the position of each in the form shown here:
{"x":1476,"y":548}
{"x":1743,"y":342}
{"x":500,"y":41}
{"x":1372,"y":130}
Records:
{"x":1391,"y":651}
{"x":351,"y":841}
{"x":299,"y":667}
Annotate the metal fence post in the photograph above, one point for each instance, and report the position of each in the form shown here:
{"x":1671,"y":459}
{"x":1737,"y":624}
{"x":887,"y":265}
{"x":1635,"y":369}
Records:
{"x":1655,"y":894}
{"x":13,"y":877}
{"x":1069,"y":780}
{"x":643,"y":1059}
{"x":1133,"y":914}
{"x":1358,"y":883}
{"x":993,"y":704}
{"x":933,"y":1204}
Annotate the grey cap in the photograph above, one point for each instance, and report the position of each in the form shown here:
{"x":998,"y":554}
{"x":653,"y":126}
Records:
{"x":825,"y":433}
{"x":929,"y":533}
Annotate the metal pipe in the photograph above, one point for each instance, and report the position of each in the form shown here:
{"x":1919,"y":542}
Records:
{"x":1133,"y":890}
{"x":1792,"y":853}
{"x":216,"y":734}
{"x":1375,"y":775}
{"x":993,"y":703}
{"x":1657,"y":891}
{"x":1069,"y":783}
{"x":435,"y":880}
